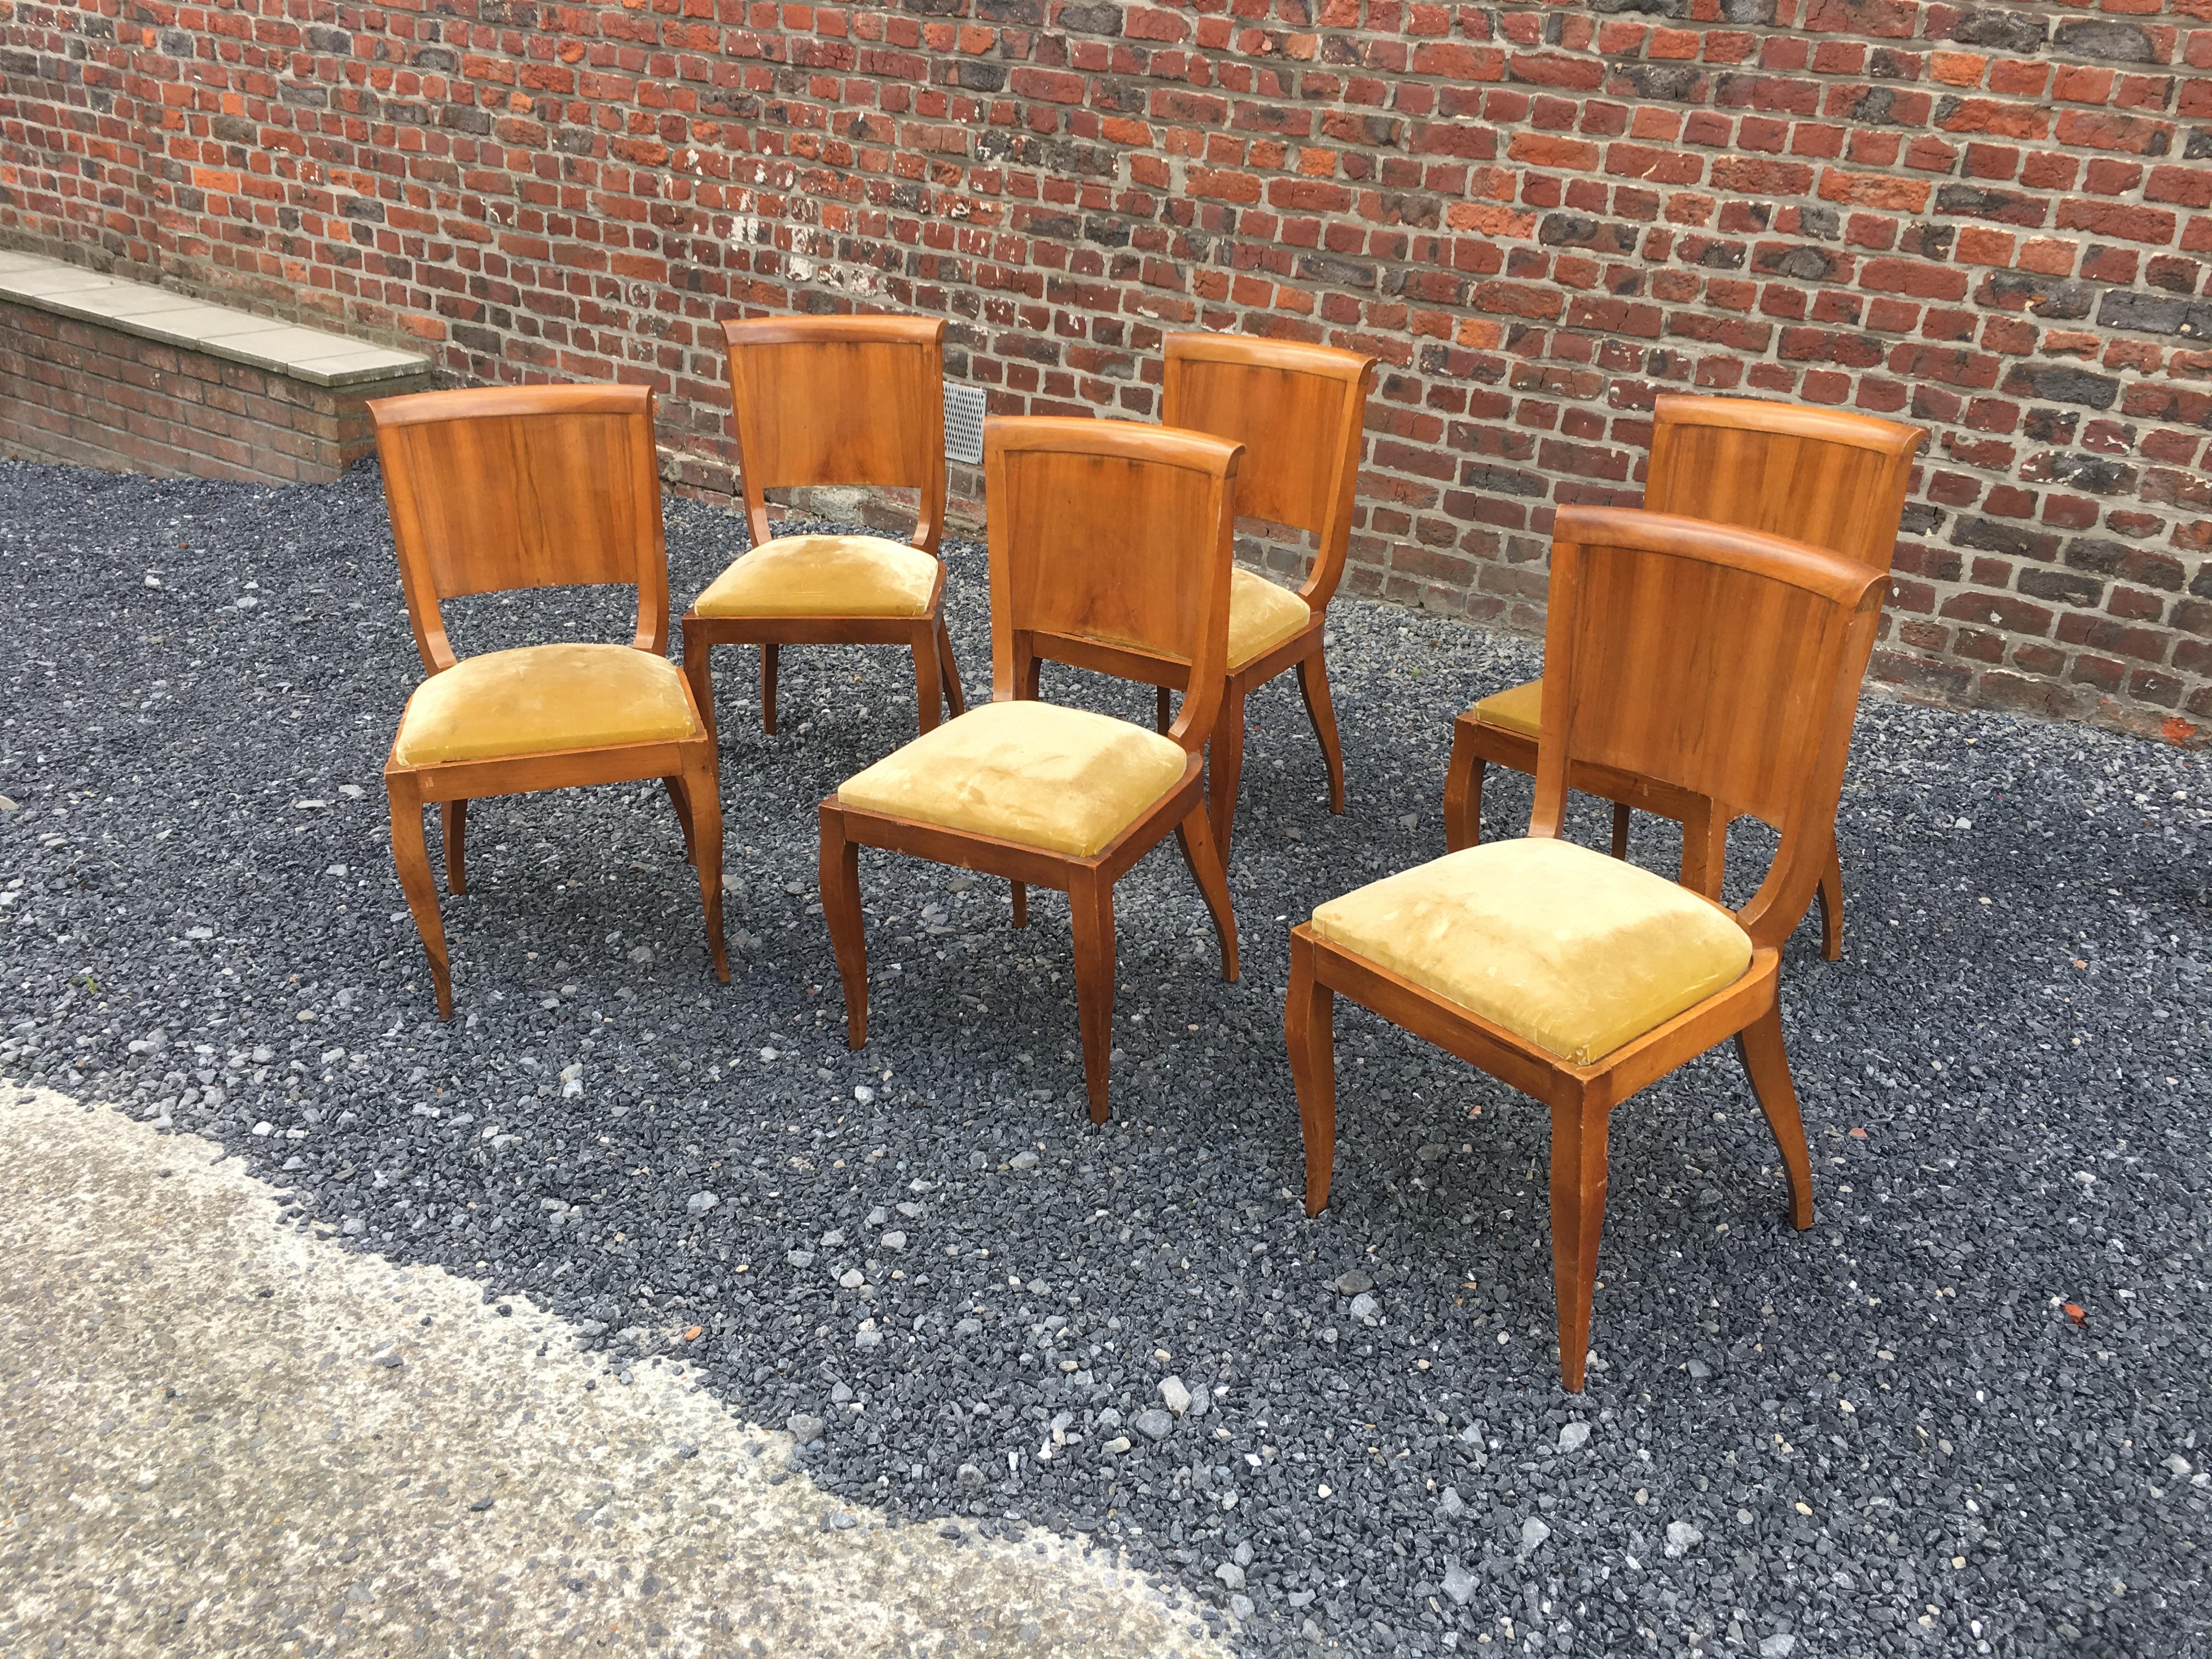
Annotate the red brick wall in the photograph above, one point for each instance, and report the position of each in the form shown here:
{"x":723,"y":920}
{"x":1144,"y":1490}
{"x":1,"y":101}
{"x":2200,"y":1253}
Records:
{"x":91,"y":396}
{"x":1995,"y":221}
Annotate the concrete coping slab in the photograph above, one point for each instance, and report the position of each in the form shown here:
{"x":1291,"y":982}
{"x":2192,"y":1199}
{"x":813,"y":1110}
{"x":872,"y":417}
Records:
{"x":312,"y":355}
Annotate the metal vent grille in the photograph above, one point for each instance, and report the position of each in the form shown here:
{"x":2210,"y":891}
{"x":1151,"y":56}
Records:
{"x":964,"y":423}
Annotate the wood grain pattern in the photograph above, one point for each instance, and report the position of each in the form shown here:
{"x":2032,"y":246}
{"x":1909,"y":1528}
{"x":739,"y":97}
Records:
{"x":836,"y":400}
{"x":1100,"y":531}
{"x":1298,"y":411}
{"x":483,"y":488}
{"x":1763,"y":641}
{"x":1830,"y":478}
{"x":520,"y":487}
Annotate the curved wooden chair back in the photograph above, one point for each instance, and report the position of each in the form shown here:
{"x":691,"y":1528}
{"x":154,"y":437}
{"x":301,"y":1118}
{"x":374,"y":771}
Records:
{"x":839,"y":400}
{"x":1111,"y":534}
{"x":502,"y":487}
{"x":1298,"y":410}
{"x":1719,"y":660}
{"x":1824,"y":477}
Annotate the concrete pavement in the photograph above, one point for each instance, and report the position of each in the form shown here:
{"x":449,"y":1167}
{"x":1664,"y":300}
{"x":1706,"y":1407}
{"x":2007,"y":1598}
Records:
{"x":223,"y":1435}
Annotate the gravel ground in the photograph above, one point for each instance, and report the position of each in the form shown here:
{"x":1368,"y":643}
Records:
{"x":1967,"y":1412}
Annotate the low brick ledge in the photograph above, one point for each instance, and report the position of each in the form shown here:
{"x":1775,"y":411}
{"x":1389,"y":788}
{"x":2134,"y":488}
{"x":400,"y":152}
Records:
{"x":312,"y":355}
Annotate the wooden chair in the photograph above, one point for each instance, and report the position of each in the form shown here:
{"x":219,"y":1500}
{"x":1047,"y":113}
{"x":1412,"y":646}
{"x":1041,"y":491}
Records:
{"x":1297,"y":410}
{"x":833,"y":400}
{"x":1102,"y":532}
{"x":1712,"y":659}
{"x":1823,"y":477}
{"x":526,"y":487}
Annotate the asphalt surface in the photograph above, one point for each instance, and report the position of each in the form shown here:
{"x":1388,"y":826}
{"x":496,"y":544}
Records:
{"x":1890,"y":1434}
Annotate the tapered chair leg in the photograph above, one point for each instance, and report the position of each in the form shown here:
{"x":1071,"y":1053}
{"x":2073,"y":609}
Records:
{"x":698,"y":668}
{"x":1705,"y":850}
{"x":928,"y":678}
{"x":1463,"y":792}
{"x":769,"y":656}
{"x":702,"y":794}
{"x":1162,"y":710}
{"x":1090,"y":904}
{"x":1619,"y":829}
{"x":841,"y":909}
{"x":411,"y":854}
{"x":1759,"y":1045}
{"x":1309,"y":1025}
{"x":949,"y":667}
{"x":1831,"y":907}
{"x":1196,"y":836}
{"x":1224,"y":768}
{"x":1579,"y":1173}
{"x":1020,"y":894}
{"x":453,"y":831}
{"x":679,"y":793}
{"x":1313,"y":686}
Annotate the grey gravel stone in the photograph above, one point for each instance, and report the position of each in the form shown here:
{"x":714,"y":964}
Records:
{"x":1573,"y":1435}
{"x":700,"y":1203}
{"x":1682,"y":1538}
{"x":1780,"y":1645}
{"x":1174,"y":1395}
{"x":1533,"y":1532}
{"x":1945,"y":1229}
{"x":1153,"y":1424}
{"x":805,"y":1429}
{"x":1459,"y":1583}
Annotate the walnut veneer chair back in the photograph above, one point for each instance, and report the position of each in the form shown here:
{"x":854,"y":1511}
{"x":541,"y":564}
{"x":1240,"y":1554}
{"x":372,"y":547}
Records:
{"x":1719,"y":661}
{"x":1297,"y":409}
{"x":839,"y":400}
{"x":1110,"y":534}
{"x":519,"y":487}
{"x":1824,"y":476}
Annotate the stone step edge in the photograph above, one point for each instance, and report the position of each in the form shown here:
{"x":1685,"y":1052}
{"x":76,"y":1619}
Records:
{"x":314,"y":356}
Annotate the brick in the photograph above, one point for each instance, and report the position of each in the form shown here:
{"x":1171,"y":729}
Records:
{"x":1992,"y":220}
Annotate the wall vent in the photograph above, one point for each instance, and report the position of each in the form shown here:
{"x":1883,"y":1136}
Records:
{"x":964,"y":423}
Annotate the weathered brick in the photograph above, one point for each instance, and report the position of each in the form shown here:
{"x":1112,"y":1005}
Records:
{"x":1990,"y":220}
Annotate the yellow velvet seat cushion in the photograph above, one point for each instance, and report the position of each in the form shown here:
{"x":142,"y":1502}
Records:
{"x":823,"y":576}
{"x":1262,"y":616}
{"x":1577,"y":952}
{"x":1062,"y":779}
{"x":541,"y":698}
{"x":1520,"y":709}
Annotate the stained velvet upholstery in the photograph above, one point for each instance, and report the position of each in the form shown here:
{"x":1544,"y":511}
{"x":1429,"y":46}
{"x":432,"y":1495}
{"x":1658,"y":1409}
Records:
{"x":1262,"y":616}
{"x":1519,"y":708}
{"x":1576,"y":952}
{"x":823,"y":576}
{"x":541,"y":698}
{"x":1062,"y":779}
